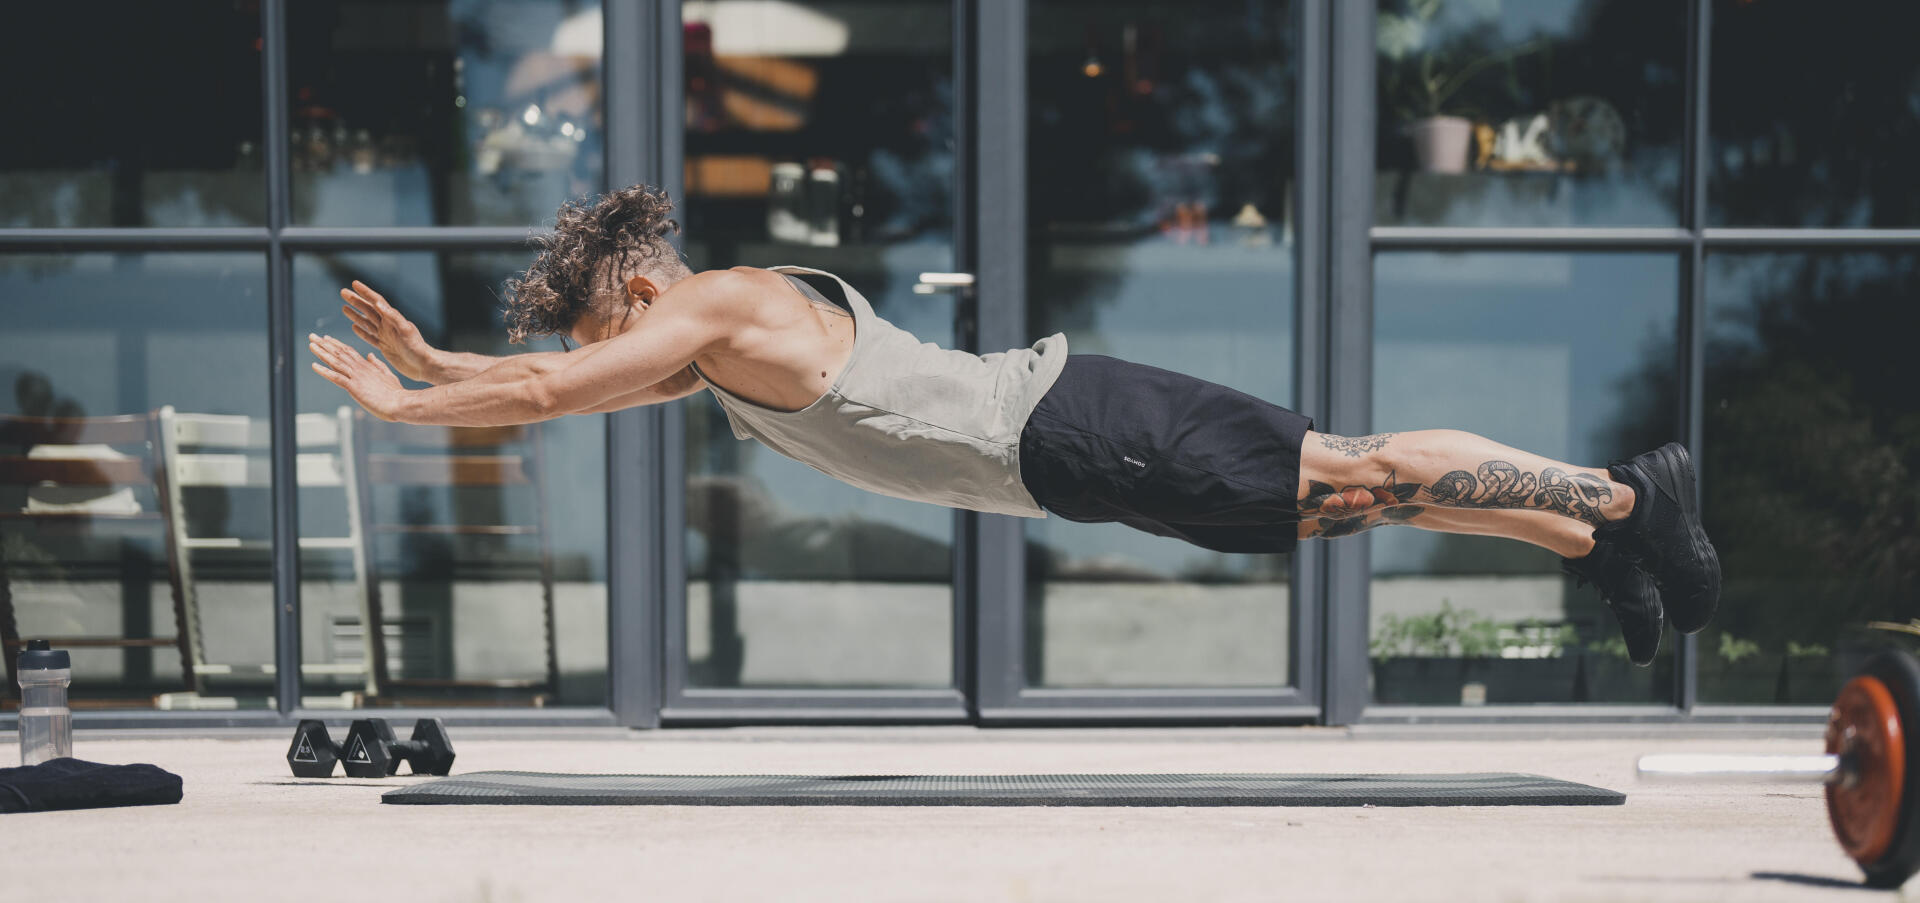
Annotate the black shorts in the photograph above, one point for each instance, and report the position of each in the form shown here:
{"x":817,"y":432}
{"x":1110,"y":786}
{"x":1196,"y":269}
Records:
{"x":1163,"y":452}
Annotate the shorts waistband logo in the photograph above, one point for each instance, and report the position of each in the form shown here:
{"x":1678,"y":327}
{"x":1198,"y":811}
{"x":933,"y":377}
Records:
{"x":1134,"y":461}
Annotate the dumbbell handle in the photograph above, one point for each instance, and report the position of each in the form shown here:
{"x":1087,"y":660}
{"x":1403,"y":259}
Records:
{"x":1824,"y":769}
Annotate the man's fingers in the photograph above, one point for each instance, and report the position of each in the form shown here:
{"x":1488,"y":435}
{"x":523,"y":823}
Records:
{"x":368,"y":293}
{"x":364,"y":336}
{"x":359,"y":317}
{"x":332,"y":351}
{"x":329,"y":375}
{"x":360,"y":305}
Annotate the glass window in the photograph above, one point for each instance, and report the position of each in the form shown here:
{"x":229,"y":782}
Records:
{"x":1160,"y":176}
{"x":481,"y":553}
{"x":131,"y":113}
{"x":818,"y":134}
{"x":442,"y":112}
{"x":1809,"y":468}
{"x":1829,"y":140}
{"x":1571,"y":356}
{"x":115,"y":543}
{"x":1537,"y":113}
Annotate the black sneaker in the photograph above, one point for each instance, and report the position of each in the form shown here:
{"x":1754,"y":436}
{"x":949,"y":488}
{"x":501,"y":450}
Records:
{"x":1627,"y":590}
{"x":1664,"y":533}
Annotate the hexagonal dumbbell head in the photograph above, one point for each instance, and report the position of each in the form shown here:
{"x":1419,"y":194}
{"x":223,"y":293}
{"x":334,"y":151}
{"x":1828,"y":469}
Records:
{"x":429,"y":750}
{"x":368,"y":750}
{"x":313,"y":753}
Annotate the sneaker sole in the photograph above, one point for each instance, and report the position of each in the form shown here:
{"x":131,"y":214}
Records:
{"x":1676,"y":461}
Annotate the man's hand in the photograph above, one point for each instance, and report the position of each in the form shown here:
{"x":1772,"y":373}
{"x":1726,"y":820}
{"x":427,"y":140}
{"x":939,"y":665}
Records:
{"x":378,"y":324}
{"x":367,"y":380}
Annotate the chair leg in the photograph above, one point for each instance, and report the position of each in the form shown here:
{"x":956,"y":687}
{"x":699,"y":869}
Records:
{"x":546,"y":598}
{"x":9,"y":629}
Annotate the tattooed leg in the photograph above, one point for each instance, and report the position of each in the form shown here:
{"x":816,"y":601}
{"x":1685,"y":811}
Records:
{"x":1562,"y":536}
{"x":1344,"y":477}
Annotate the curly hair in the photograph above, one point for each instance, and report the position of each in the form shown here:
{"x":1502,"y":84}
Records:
{"x":595,"y":243}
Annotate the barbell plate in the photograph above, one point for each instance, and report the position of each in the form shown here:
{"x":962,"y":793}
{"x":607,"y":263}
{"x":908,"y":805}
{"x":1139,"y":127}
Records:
{"x":1725,"y":768}
{"x":1874,"y":816}
{"x":1865,"y":724}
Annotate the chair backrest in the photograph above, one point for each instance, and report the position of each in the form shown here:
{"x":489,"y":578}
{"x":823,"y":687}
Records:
{"x":241,"y":437}
{"x":75,"y":465}
{"x":450,"y":456}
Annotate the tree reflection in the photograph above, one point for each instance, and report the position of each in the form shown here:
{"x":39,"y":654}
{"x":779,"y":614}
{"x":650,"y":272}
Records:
{"x":1829,"y":140}
{"x":1812,"y":447}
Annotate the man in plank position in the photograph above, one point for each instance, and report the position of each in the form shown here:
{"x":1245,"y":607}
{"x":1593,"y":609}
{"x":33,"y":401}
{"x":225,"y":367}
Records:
{"x":800,"y":362}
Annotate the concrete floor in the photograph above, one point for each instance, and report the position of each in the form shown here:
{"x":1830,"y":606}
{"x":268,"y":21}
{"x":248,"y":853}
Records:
{"x":248,"y":831}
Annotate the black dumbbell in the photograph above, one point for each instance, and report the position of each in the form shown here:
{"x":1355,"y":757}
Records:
{"x":370,"y":750}
{"x":313,"y":752}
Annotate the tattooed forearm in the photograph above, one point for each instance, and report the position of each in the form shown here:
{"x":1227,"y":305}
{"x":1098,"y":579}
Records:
{"x":1356,"y":509}
{"x":1355,"y":446}
{"x":1499,"y":484}
{"x":1332,"y":527}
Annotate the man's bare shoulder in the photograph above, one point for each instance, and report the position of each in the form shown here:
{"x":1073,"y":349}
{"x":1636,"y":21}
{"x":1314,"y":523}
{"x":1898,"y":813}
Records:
{"x":740,"y":288}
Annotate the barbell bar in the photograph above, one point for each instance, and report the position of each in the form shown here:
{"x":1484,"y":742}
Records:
{"x":1873,"y":804}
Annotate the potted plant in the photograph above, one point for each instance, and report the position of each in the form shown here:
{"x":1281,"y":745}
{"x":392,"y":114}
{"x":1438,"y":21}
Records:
{"x":1433,"y":659}
{"x":1423,"y":73}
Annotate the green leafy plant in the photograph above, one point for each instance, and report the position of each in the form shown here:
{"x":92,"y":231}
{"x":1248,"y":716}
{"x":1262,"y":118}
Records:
{"x":1444,"y":633}
{"x":1424,"y":66}
{"x":1734,"y":649}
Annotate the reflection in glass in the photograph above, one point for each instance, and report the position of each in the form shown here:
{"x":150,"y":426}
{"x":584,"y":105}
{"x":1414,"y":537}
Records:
{"x":1160,"y":170}
{"x":1811,"y":454}
{"x":442,"y":112}
{"x":100,"y":353}
{"x":820,"y":135}
{"x":1828,"y":141}
{"x":1545,"y":112}
{"x":1571,"y":356}
{"x":131,"y":113}
{"x":481,"y":553}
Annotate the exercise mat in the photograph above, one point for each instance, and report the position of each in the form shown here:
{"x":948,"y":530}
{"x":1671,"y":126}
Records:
{"x":528,"y":788}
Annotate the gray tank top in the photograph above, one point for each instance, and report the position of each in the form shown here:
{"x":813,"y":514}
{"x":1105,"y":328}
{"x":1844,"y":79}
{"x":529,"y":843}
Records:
{"x":910,"y":419}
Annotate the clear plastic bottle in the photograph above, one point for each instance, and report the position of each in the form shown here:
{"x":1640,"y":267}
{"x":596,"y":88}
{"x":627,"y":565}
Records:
{"x":46,"y":724}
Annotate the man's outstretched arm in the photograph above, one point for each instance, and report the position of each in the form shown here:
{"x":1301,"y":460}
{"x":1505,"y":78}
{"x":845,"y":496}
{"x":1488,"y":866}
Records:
{"x":643,"y":366}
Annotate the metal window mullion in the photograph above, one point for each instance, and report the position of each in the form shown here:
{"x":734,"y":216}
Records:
{"x":667,"y":170}
{"x":638,"y":50}
{"x":1442,"y":238}
{"x":1349,"y":347}
{"x":281,"y":400}
{"x":1810,"y":239}
{"x":963,"y":562}
{"x":250,"y":238}
{"x":406,"y":238}
{"x":1311,"y":301}
{"x":1000,"y":226}
{"x":1686,"y":665}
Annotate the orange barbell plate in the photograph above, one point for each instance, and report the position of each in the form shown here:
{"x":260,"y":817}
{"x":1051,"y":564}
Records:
{"x":1865,"y":726}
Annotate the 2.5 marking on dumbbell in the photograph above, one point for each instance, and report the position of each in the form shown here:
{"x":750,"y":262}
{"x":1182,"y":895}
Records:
{"x":304,"y":752}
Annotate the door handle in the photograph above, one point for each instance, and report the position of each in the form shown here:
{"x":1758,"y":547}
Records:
{"x":936,"y":282}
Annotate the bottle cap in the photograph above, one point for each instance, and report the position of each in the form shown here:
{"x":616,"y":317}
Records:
{"x":40,"y":656}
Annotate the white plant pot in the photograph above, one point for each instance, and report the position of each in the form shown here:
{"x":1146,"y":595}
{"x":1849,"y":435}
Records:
{"x":1440,"y":143}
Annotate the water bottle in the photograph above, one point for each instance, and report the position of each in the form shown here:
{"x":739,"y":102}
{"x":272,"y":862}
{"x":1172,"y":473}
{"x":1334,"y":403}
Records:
{"x":46,"y":724}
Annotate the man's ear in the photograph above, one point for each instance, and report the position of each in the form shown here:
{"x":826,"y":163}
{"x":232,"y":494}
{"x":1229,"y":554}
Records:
{"x":642,"y":289}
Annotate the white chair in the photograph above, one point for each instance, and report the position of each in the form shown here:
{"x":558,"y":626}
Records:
{"x":221,"y":450}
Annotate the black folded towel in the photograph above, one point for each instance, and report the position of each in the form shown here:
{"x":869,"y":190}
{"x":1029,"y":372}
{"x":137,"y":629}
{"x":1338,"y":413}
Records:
{"x":73,"y":784}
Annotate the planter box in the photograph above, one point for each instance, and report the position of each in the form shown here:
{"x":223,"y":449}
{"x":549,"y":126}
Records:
{"x":1444,"y":681}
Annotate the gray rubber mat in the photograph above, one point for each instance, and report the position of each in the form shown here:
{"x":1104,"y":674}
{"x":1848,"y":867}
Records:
{"x":535,"y":789}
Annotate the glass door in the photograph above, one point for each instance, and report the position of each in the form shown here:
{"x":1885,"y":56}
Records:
{"x":823,"y":135}
{"x":1160,"y":154}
